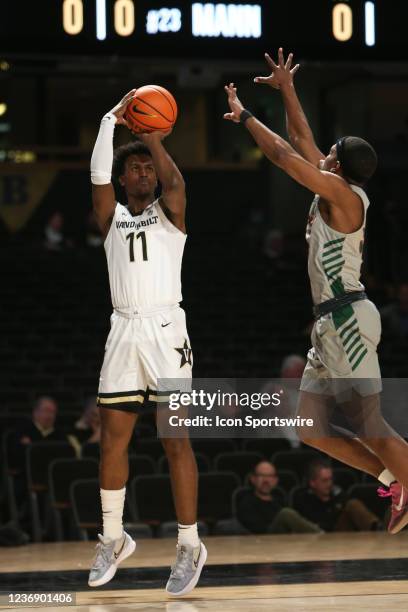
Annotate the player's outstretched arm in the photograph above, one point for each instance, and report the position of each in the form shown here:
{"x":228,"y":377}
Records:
{"x":173,"y":197}
{"x":329,"y":186}
{"x":103,"y":194}
{"x":299,"y":132}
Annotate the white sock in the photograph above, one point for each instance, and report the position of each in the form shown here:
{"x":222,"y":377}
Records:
{"x":188,"y":534}
{"x":386,"y":478}
{"x":113,"y":502}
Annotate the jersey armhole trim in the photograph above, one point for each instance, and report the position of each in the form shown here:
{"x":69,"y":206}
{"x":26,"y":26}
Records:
{"x":343,"y":233}
{"x":112,"y":221}
{"x":167,"y":220}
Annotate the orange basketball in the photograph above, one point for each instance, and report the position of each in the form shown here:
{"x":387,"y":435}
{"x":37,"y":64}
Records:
{"x":153,"y":108}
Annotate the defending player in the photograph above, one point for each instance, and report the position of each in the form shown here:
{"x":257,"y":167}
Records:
{"x":148,"y":340}
{"x":343,"y":361}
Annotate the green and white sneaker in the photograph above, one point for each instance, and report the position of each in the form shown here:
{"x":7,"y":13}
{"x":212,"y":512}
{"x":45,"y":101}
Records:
{"x":186,"y":571}
{"x":109,"y":553}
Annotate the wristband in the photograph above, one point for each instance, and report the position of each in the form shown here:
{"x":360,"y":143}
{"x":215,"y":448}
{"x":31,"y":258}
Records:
{"x":245,"y":114}
{"x":109,"y":116}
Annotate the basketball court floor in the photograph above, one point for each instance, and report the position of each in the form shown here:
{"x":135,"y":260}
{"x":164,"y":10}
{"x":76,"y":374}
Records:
{"x":344,"y":571}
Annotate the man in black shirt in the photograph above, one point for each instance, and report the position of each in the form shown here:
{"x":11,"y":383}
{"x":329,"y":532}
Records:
{"x":261,"y":512}
{"x":327,"y":505}
{"x":41,"y":428}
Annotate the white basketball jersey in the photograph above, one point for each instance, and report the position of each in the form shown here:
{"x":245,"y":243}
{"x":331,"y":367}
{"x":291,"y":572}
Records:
{"x":144,"y":254}
{"x":335,"y":259}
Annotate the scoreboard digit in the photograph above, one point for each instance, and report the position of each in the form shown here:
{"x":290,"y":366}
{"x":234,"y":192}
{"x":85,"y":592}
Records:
{"x":123,"y":20}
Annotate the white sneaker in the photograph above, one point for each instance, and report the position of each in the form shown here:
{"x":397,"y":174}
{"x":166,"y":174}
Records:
{"x":186,"y":571}
{"x":107,"y":558}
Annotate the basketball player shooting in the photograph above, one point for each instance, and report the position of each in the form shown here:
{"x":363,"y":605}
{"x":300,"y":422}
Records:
{"x":148,"y":340}
{"x":343,"y":361}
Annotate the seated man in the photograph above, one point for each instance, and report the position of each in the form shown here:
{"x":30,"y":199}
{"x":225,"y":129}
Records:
{"x":40,"y":428}
{"x":262,"y":512}
{"x":327,"y":505}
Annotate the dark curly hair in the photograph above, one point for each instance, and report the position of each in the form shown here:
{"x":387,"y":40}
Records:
{"x":120,"y":155}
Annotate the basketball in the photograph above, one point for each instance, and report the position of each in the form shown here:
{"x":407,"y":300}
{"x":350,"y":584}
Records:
{"x":153,"y":108}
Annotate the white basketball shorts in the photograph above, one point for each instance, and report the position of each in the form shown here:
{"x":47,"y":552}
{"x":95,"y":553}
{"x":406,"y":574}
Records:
{"x":140,"y":350}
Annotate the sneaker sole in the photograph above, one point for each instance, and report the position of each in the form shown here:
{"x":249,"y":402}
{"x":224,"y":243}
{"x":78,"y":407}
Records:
{"x":401,"y":524}
{"x":112,"y":570}
{"x":190,"y":586}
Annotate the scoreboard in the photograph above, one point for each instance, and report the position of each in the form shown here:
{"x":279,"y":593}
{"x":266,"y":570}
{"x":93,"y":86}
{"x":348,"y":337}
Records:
{"x":312,"y":29}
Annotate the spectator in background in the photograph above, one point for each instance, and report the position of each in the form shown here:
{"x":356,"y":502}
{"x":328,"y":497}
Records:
{"x":290,"y":374}
{"x":395,"y":316}
{"x":273,"y":244}
{"x":262,"y":512}
{"x":93,"y":236}
{"x":54,"y":233}
{"x":293,"y":366}
{"x":326,"y":505}
{"x":41,"y":427}
{"x":87,"y":430}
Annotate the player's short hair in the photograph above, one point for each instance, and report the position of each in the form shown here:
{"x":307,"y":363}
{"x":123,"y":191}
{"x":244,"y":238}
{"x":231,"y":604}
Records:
{"x":315,"y":466}
{"x":357,"y":158}
{"x":120,"y":155}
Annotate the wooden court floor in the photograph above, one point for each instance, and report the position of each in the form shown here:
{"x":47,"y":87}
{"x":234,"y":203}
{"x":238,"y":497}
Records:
{"x":359,"y":571}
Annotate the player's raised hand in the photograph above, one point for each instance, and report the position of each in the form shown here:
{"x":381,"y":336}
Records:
{"x":282,"y":73}
{"x":234,"y":104}
{"x":120,"y":108}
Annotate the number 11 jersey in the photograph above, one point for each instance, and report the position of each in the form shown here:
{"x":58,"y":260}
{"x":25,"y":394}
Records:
{"x":144,"y":253}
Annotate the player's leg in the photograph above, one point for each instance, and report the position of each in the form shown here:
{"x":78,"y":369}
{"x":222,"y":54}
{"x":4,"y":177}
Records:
{"x":350,"y":451}
{"x":364,"y":414}
{"x":391,"y":449}
{"x":191,"y":552}
{"x":167,"y":359}
{"x":184,"y":482}
{"x":121,"y":391}
{"x":326,"y":360}
{"x":116,"y":431}
{"x":380,"y":455}
{"x":115,"y":544}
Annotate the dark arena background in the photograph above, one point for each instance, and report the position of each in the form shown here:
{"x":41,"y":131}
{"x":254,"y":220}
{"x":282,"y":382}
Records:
{"x":63,"y":65}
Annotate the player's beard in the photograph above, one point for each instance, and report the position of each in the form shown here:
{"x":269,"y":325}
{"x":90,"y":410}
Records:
{"x":143,"y":192}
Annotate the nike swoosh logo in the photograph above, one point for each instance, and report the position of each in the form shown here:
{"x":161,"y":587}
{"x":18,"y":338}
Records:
{"x":165,"y":324}
{"x":116,"y":555}
{"x":198,"y":558}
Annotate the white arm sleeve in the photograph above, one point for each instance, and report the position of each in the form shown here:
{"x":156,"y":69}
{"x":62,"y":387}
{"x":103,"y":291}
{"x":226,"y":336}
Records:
{"x":102,"y":155}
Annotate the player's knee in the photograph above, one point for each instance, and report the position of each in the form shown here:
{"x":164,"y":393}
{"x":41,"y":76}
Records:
{"x":113,"y":442}
{"x":176,"y":447}
{"x":378,"y":445}
{"x":304,"y":436}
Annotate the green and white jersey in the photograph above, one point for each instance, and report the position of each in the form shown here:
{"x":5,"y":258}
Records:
{"x":335,"y":259}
